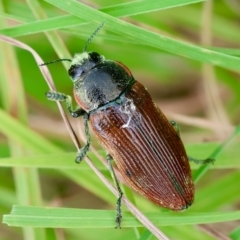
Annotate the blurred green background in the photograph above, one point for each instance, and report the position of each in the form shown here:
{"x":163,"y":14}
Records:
{"x":203,"y":98}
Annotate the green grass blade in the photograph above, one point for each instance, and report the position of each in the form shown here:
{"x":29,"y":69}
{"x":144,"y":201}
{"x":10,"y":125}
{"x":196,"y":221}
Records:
{"x":145,"y":6}
{"x":147,"y":37}
{"x":22,"y":134}
{"x":84,"y":218}
{"x":66,"y":160}
{"x":120,"y":10}
{"x":202,"y":170}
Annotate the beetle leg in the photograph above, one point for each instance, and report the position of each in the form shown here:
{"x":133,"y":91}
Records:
{"x":61,"y":97}
{"x":175,"y":126}
{"x":119,"y":201}
{"x":83,"y":151}
{"x":197,"y":161}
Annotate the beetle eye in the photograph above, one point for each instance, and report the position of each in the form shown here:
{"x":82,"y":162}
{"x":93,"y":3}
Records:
{"x":75,"y":72}
{"x":95,"y":57}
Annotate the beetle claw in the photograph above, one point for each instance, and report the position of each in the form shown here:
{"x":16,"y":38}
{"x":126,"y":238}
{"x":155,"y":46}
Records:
{"x":118,"y":221}
{"x":79,"y":159}
{"x":209,"y":160}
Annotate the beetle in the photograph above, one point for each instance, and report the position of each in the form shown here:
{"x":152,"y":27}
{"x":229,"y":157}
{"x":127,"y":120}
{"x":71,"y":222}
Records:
{"x":146,"y":147}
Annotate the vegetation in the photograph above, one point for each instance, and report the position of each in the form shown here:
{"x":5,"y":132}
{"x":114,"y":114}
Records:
{"x":186,"y":52}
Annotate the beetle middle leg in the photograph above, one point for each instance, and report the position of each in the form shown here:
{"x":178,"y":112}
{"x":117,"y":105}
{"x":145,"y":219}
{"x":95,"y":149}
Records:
{"x":195,"y":160}
{"x":119,"y":201}
{"x":56,"y":96}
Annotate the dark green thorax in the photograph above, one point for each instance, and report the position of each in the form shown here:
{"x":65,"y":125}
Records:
{"x":97,"y":81}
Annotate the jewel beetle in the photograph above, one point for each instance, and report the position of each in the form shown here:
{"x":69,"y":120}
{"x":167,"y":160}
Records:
{"x":145,"y":146}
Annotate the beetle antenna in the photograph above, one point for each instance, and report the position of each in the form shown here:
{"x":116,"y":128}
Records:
{"x":92,"y":36}
{"x":55,"y":61}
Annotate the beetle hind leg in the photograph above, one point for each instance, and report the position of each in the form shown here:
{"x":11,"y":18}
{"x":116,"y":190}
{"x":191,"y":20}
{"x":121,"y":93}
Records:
{"x":119,"y":200}
{"x":83,"y":151}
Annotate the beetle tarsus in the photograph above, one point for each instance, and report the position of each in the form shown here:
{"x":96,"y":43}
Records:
{"x":202,"y":161}
{"x":55,"y":96}
{"x":82,"y":153}
{"x":119,"y":212}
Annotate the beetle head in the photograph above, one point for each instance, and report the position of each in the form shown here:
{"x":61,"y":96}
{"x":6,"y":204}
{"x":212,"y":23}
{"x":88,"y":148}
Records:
{"x":83,"y":63}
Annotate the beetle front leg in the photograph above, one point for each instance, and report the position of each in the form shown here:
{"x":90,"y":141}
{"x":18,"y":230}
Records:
{"x":61,"y":97}
{"x":119,"y":200}
{"x":56,"y":96}
{"x":195,"y":160}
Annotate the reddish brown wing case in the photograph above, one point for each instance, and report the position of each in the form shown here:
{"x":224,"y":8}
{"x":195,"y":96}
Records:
{"x":146,"y":148}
